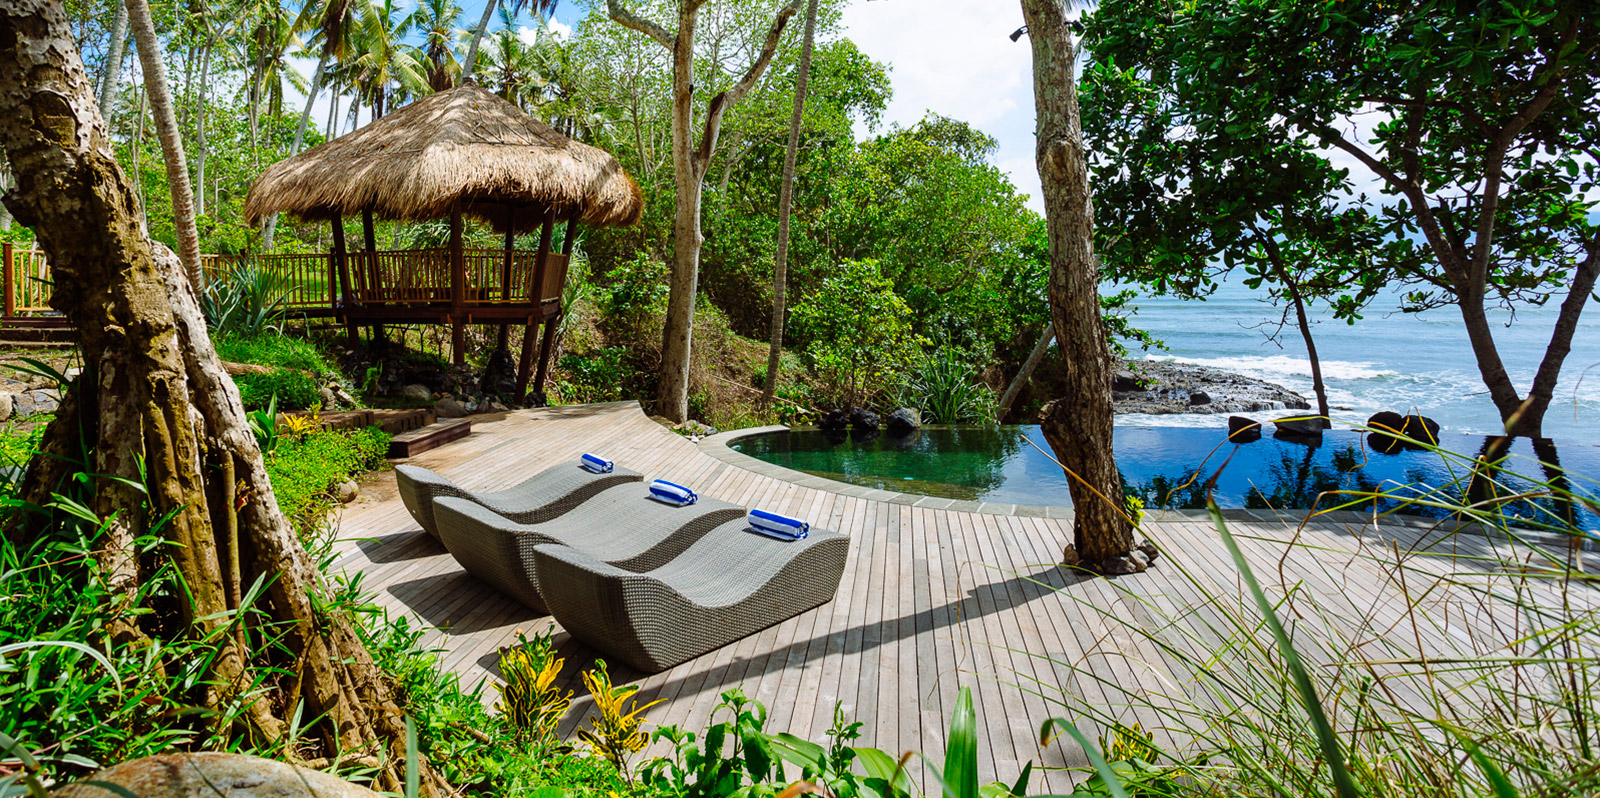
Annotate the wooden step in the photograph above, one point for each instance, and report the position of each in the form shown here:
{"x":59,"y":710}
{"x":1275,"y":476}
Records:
{"x":392,"y":421}
{"x":417,"y":441}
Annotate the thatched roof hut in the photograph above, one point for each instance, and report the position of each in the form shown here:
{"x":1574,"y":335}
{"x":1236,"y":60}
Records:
{"x":465,"y":145}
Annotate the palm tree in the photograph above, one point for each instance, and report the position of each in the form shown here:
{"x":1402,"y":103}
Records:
{"x":522,"y":73}
{"x":543,"y":8}
{"x":380,"y":58}
{"x":780,"y":267}
{"x":271,"y":40}
{"x":436,"y":21}
{"x":161,"y":107}
{"x":329,"y":19}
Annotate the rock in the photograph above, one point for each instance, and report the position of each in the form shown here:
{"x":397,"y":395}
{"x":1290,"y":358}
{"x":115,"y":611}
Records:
{"x":1421,"y":429}
{"x":471,"y":406}
{"x":1123,"y":564}
{"x":863,"y":419}
{"x":1387,"y":420}
{"x":1243,"y":430}
{"x":208,"y":774}
{"x":1300,"y":425}
{"x":235,"y":369}
{"x":1161,"y":387}
{"x":449,"y":408}
{"x":1125,"y":380}
{"x":499,"y":376}
{"x":492,"y":405}
{"x":904,"y":421}
{"x":1311,"y":439}
{"x":5,"y":406}
{"x":1069,"y":557}
{"x":1199,"y":398}
{"x":342,"y":396}
{"x":416,"y":392}
{"x":833,"y":420}
{"x":347,"y":491}
{"x":329,"y":400}
{"x":536,"y":399}
{"x":22,"y":405}
{"x":696,"y":429}
{"x":1149,"y":551}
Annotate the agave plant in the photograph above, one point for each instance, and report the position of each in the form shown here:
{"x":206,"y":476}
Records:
{"x":947,"y":390}
{"x":246,"y":300}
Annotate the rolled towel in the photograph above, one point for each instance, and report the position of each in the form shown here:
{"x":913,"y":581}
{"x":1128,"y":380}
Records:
{"x":672,"y":493}
{"x":596,"y":463}
{"x":778,"y":526}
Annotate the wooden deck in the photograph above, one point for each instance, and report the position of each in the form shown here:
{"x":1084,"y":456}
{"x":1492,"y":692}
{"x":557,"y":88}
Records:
{"x":931,"y":598}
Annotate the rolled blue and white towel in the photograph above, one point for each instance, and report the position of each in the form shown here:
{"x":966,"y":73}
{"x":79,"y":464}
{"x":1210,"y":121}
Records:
{"x":596,"y":463}
{"x":672,"y":493}
{"x":781,"y":527}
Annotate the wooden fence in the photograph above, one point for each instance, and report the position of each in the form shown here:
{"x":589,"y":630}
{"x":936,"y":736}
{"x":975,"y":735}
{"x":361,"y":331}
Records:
{"x":310,"y":282}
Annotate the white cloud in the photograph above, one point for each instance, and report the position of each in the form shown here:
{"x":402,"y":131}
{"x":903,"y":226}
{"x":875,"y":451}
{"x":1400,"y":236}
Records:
{"x":956,"y":58}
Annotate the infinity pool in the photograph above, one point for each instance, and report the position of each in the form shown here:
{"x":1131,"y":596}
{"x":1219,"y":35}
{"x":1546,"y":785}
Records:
{"x":1002,"y":465}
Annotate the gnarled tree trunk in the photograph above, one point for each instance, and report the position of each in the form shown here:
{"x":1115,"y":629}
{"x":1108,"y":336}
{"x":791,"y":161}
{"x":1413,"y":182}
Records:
{"x":155,"y":409}
{"x":1079,"y":424}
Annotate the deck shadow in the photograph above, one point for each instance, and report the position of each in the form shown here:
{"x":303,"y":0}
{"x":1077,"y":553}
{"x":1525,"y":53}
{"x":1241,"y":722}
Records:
{"x":400,"y":546}
{"x":457,"y":603}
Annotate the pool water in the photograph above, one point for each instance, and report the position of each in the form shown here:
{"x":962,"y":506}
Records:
{"x":1002,"y":465}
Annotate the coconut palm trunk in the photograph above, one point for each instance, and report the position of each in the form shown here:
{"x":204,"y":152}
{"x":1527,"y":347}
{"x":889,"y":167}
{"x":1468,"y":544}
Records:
{"x":780,"y":264}
{"x":1079,"y":424}
{"x":155,"y":80}
{"x":166,"y":437}
{"x":119,"y":42}
{"x":271,"y":226}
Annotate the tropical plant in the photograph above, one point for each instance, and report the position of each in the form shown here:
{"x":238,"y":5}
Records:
{"x":947,"y":390}
{"x":246,"y":300}
{"x":529,"y":697}
{"x":615,"y":732}
{"x":859,"y":331}
{"x":436,"y":21}
{"x":264,"y":425}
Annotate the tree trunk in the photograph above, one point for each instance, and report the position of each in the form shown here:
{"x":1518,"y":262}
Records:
{"x":155,"y":81}
{"x":271,"y":227}
{"x":119,"y":41}
{"x":1529,"y":420}
{"x":1028,"y":366}
{"x":200,"y":134}
{"x":780,"y":266}
{"x":154,"y":408}
{"x":1079,"y":424}
{"x":1290,"y":284}
{"x":470,"y":66}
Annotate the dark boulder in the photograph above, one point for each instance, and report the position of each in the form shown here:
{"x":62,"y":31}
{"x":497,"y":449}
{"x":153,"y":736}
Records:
{"x":1243,"y":430}
{"x":865,"y":434}
{"x":1386,"y":420}
{"x":1421,"y":429}
{"x":1312,"y":439}
{"x":903,"y":421}
{"x":1199,"y":398}
{"x":863,"y":419}
{"x":1300,"y":425}
{"x":833,"y":420}
{"x":1125,"y":380}
{"x":499,"y":376}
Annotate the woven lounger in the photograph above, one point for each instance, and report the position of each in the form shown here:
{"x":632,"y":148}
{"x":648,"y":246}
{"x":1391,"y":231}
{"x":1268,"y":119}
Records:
{"x":730,"y":584}
{"x":620,"y":525}
{"x":545,"y":496}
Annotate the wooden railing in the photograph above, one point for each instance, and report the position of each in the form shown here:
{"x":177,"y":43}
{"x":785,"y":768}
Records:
{"x":418,"y":276}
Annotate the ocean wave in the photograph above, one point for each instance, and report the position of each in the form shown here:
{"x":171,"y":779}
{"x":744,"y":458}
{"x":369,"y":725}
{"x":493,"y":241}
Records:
{"x":1273,"y":367}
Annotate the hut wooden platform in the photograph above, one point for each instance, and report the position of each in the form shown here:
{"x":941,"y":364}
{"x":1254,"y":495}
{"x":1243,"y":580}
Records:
{"x":932,"y":598}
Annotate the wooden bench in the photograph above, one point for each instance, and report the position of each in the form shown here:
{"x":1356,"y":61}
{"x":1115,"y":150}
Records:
{"x":417,"y":441}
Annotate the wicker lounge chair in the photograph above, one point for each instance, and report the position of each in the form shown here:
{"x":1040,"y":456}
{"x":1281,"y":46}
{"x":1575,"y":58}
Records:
{"x":732,"y":583}
{"x":619,"y":525}
{"x":545,"y":496}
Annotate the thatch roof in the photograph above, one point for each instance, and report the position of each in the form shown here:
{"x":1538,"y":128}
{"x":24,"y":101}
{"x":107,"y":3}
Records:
{"x":463,"y":144}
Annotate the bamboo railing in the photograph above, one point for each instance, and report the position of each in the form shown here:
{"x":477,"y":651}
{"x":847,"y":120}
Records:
{"x":309,"y":281}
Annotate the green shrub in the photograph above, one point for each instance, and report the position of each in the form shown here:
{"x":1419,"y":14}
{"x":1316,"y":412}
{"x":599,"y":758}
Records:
{"x":245,"y":300}
{"x":303,"y":470}
{"x":860,"y":333}
{"x":280,"y":351}
{"x":595,"y":376}
{"x":947,"y":391}
{"x":295,"y":390}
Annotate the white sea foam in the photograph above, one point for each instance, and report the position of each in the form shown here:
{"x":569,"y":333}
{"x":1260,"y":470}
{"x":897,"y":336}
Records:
{"x":1276,"y":367}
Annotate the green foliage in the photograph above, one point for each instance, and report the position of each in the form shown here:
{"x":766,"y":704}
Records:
{"x":246,"y":301}
{"x":616,"y":732}
{"x":304,"y":470}
{"x":281,"y":351}
{"x":947,"y":391}
{"x":633,"y":293}
{"x":600,"y":375}
{"x":292,"y":389}
{"x":264,"y":425}
{"x":860,"y":333}
{"x":529,"y":697}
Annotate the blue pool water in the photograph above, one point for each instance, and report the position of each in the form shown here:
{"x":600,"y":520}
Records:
{"x":1002,"y":465}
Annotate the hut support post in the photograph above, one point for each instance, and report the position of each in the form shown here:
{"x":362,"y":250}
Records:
{"x":341,"y":263}
{"x":505,"y":274}
{"x":458,"y":290}
{"x":550,"y":326}
{"x":369,"y":236}
{"x":535,"y":295}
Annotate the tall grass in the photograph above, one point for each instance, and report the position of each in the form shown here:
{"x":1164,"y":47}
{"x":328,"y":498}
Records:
{"x":1467,"y":667}
{"x":947,"y":390}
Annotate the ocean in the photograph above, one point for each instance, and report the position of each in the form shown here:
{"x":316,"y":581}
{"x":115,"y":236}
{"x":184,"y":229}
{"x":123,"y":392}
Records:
{"x":1406,"y":362}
